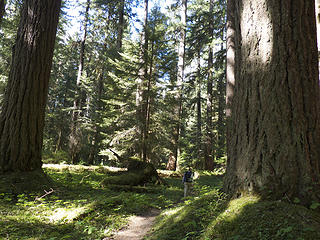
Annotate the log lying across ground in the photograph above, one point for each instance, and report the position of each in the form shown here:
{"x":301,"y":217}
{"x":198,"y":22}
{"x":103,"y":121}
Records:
{"x":138,"y":173}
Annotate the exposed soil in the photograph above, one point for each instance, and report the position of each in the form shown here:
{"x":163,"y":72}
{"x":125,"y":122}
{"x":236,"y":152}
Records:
{"x":138,"y":226}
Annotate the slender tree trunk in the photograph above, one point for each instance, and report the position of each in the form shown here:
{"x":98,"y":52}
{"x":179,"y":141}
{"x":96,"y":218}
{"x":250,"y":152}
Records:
{"x":58,"y":144}
{"x":2,"y":9}
{"x":230,"y":71}
{"x":99,"y":85}
{"x":23,"y":110}
{"x":148,"y":97}
{"x":180,"y":80}
{"x":209,"y":155}
{"x":199,"y":117}
{"x":221,"y":115}
{"x":274,"y":130}
{"x":75,"y":135}
{"x":141,"y":85}
{"x":121,"y":25}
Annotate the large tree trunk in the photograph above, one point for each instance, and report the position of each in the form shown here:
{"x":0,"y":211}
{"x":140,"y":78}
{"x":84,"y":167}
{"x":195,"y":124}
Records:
{"x":180,"y":79}
{"x":75,"y":135}
{"x":317,"y":2}
{"x":274,"y":134}
{"x":23,"y":110}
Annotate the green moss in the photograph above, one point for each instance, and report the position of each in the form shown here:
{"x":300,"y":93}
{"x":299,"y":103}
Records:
{"x":138,"y":173}
{"x":250,"y":218}
{"x":212,"y":216}
{"x":189,"y":219}
{"x":56,"y":158}
{"x":78,"y":208}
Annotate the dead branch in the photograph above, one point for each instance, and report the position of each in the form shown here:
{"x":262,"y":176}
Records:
{"x":46,"y":193}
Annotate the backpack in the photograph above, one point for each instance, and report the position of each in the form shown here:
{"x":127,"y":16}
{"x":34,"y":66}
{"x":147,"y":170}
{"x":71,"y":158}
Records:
{"x":188,"y":176}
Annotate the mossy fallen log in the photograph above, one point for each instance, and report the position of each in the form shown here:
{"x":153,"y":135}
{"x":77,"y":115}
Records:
{"x":138,"y":173}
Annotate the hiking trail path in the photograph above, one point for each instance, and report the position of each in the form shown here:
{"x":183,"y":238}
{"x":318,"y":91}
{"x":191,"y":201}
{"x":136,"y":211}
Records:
{"x":138,"y":226}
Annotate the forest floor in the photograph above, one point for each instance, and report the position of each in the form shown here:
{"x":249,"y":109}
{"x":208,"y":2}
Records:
{"x":75,"y":206}
{"x":138,"y":226}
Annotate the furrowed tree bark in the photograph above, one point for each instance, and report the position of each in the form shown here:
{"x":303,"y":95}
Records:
{"x":317,"y":6}
{"x":23,"y":110}
{"x":273,"y":115}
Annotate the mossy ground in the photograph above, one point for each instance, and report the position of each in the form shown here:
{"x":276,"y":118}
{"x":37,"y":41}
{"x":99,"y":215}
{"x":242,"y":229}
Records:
{"x":211,"y":215}
{"x":78,"y":207}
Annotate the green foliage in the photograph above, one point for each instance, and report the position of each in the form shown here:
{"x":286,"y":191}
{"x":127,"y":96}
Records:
{"x":189,"y":220}
{"x":74,"y":206}
{"x":8,"y":31}
{"x":212,"y":216}
{"x":315,"y":205}
{"x":138,"y":173}
{"x":264,"y":220}
{"x":56,"y":157}
{"x":77,"y":208}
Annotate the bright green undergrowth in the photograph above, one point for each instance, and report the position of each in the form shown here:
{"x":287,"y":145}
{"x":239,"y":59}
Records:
{"x":250,"y":218}
{"x":212,"y":216}
{"x":77,"y":207}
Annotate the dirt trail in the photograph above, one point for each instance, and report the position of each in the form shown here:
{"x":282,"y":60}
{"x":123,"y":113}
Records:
{"x":138,"y":226}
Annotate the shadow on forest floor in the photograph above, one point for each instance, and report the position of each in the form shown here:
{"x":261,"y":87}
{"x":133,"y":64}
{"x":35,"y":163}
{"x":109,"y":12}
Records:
{"x":213,"y":216}
{"x":75,"y":206}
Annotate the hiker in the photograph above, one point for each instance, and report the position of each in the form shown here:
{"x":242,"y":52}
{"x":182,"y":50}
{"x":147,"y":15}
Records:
{"x":187,"y":181}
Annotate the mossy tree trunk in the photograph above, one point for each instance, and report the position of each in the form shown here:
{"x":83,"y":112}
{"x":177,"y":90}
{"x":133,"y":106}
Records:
{"x":23,"y":110}
{"x":273,"y":99}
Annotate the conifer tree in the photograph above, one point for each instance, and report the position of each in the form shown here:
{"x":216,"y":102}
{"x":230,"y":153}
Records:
{"x":273,"y":100}
{"x":22,"y":113}
{"x":76,"y":134}
{"x":180,"y":80}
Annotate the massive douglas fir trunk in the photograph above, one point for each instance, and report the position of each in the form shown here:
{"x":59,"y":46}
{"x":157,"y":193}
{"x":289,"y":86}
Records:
{"x":23,"y":110}
{"x":273,"y":99}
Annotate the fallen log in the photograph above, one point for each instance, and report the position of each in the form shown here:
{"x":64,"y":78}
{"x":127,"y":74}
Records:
{"x":138,"y":173}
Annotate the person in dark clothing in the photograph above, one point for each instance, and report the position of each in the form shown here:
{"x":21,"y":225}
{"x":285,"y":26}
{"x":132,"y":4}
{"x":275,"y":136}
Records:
{"x":187,"y":181}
